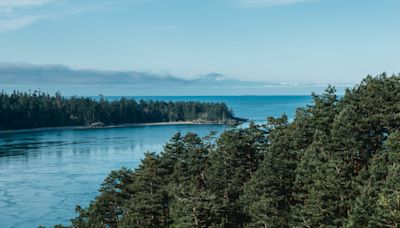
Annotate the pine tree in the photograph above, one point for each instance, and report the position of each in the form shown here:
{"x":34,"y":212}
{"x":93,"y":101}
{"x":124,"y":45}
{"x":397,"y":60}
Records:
{"x":319,"y":181}
{"x":376,"y":204}
{"x":337,"y":164}
{"x":145,"y":207}
{"x":267,"y":196}
{"x":388,"y":204}
{"x":109,"y":206}
{"x":323,"y":110}
{"x":236,"y":159}
{"x":191,"y":205}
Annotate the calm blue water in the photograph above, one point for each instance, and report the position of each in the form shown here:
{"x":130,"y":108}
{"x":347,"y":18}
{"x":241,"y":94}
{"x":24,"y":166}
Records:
{"x":44,"y":175}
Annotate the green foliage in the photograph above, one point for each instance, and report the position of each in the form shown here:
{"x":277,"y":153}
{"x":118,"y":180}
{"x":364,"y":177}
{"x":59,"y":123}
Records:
{"x":191,"y":197}
{"x":145,"y":207}
{"x":321,"y":187}
{"x":378,"y":205}
{"x":337,"y":164}
{"x":268,"y":194}
{"x":109,"y":205}
{"x":33,"y":110}
{"x":235,"y":160}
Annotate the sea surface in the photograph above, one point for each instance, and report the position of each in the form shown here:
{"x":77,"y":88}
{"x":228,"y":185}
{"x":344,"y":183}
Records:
{"x":45,"y":174}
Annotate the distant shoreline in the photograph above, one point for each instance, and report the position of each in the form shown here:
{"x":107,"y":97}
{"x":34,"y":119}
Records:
{"x":40,"y":129}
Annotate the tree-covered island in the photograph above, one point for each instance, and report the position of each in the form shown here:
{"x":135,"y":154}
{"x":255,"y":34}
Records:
{"x":40,"y":110}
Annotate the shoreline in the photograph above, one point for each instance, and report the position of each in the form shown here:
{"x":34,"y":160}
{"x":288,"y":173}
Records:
{"x":40,"y":129}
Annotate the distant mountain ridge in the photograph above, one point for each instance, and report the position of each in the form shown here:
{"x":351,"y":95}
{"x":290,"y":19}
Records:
{"x":50,"y":78}
{"x":60,"y":74}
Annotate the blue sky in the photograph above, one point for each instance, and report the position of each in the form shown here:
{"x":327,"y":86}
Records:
{"x":295,"y":41}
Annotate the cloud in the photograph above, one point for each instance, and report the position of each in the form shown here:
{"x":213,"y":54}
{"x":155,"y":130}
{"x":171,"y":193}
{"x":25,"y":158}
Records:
{"x":16,"y":14}
{"x":22,"y":3}
{"x":269,"y":3}
{"x":17,"y":23}
{"x":25,"y":74}
{"x":70,"y":81}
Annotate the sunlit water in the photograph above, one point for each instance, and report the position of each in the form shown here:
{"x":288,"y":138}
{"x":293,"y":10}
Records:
{"x":44,"y":175}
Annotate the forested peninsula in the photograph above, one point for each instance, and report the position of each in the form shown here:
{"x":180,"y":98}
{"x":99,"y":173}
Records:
{"x":337,"y":164}
{"x":40,"y":110}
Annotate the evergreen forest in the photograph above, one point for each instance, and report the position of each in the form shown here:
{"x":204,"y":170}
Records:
{"x":336,"y":164}
{"x":36,"y":110}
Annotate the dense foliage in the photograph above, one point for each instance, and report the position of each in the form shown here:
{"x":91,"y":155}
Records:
{"x":32,"y":110}
{"x":337,"y":164}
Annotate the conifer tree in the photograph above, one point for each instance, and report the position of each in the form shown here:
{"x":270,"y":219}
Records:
{"x":192,"y":201}
{"x":145,"y":207}
{"x":319,"y":193}
{"x":337,"y":164}
{"x":267,"y":196}
{"x":238,"y":154}
{"x":323,"y":110}
{"x":388,"y":204}
{"x":109,"y":206}
{"x":382,"y":192}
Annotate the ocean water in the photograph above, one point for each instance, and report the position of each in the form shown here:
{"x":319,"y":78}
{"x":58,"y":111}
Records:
{"x":44,"y":175}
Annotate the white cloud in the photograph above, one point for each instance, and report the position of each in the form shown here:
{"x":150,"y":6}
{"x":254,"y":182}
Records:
{"x":16,"y":23}
{"x":10,"y":8}
{"x":269,"y":3}
{"x":22,"y":3}
{"x":16,"y":14}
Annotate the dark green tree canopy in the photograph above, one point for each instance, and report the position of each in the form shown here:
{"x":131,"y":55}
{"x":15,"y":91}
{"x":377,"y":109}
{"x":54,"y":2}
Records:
{"x":336,"y":164}
{"x":33,"y":110}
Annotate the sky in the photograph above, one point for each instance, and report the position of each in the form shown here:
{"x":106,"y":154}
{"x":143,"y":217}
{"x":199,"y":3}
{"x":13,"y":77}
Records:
{"x":279,"y":41}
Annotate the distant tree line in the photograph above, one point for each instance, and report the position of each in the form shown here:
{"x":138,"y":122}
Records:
{"x":337,"y":164}
{"x":33,"y":110}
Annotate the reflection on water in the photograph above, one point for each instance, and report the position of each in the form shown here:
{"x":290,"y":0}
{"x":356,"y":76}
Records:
{"x":44,"y":175}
